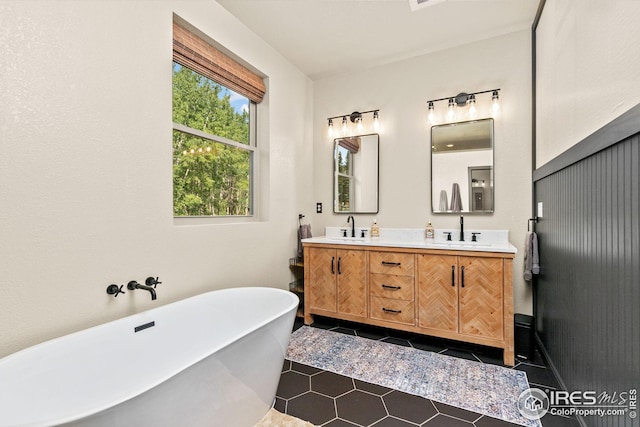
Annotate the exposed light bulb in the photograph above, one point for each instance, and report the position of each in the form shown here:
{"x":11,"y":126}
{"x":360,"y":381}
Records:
{"x":330,"y":128}
{"x":376,"y":121}
{"x":473,"y":111}
{"x":359,"y":125}
{"x":344,"y":125}
{"x":451,"y":110}
{"x":432,"y":114}
{"x":495,"y":103}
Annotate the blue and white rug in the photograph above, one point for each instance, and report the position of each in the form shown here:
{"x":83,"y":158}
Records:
{"x":483,"y":388}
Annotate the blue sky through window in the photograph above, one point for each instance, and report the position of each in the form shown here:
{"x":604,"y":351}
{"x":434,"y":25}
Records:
{"x":239,"y":102}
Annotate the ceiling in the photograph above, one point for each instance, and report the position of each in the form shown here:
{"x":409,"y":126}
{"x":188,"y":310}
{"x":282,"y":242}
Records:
{"x":328,"y":37}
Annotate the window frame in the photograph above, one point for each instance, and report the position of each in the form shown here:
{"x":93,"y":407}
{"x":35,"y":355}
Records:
{"x":251,"y":86}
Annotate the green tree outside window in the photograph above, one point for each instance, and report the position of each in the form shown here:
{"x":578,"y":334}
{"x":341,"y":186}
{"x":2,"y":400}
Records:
{"x":212,"y":169}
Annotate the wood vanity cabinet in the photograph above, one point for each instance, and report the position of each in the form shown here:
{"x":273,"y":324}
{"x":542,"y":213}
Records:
{"x":459,"y":295}
{"x":337,"y":281}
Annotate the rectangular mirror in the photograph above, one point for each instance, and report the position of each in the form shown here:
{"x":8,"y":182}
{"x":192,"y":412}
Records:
{"x":355,"y":172}
{"x":462,"y":167}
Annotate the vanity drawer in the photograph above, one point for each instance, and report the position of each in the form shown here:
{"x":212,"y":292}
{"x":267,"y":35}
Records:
{"x":392,"y":310}
{"x":392,"y":286}
{"x":391,"y":263}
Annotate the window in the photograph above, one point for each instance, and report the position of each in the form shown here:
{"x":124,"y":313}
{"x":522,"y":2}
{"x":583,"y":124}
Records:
{"x":214,"y":144}
{"x":345,"y":181}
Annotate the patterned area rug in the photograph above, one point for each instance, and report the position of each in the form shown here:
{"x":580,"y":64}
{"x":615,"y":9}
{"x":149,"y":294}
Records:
{"x":274,"y":418}
{"x":483,"y":388}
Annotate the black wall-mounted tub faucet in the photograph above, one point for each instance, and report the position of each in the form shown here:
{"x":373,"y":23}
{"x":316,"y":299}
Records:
{"x":115,"y":290}
{"x":135,"y":285}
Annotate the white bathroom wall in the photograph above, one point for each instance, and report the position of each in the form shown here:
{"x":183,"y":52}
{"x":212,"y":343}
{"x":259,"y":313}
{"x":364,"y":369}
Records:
{"x":85,"y":165}
{"x":452,"y":166}
{"x":401,"y":90}
{"x":586,"y":70}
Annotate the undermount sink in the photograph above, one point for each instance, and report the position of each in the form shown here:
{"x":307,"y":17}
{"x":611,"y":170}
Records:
{"x":457,"y":244}
{"x":348,"y":239}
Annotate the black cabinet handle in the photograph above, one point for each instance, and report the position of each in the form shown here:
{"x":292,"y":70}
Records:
{"x":391,"y":287}
{"x":462,"y":276}
{"x":391,"y":264}
{"x":339,"y":268}
{"x":333,"y":270}
{"x":453,"y":275}
{"x":389,"y":310}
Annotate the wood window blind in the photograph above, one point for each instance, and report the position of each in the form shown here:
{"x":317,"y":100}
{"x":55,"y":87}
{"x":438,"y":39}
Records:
{"x":192,"y":52}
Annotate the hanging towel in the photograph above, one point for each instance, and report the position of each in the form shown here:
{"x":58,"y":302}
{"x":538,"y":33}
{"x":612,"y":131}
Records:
{"x":456,"y":201}
{"x":531,"y":256}
{"x":535,"y":256}
{"x":304,"y":232}
{"x":444,"y":201}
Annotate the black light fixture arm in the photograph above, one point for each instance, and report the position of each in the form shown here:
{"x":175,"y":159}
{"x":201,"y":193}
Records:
{"x":354,"y":116}
{"x":461,"y":95}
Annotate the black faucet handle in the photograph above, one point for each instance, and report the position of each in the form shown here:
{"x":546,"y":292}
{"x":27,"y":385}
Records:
{"x":115,"y":290}
{"x":150,"y":281}
{"x":473,"y":237}
{"x":448,"y":233}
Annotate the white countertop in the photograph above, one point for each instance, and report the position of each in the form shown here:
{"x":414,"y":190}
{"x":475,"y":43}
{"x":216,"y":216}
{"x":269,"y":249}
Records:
{"x":488,"y":240}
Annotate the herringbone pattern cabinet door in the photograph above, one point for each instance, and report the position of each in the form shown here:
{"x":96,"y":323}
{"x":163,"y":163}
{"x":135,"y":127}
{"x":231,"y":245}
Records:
{"x":352,"y":276}
{"x":481,"y":297}
{"x":322,"y":278}
{"x":438,"y":292}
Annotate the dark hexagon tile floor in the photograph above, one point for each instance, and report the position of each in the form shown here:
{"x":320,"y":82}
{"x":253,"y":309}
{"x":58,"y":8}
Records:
{"x":327,"y":399}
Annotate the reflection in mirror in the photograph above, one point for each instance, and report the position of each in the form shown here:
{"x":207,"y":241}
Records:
{"x":462,"y":167}
{"x":355,"y":170}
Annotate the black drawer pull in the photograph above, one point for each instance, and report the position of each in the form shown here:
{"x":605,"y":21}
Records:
{"x":453,"y":275}
{"x":462,"y":276}
{"x":339,"y":267}
{"x":333,"y":260}
{"x":389,"y":310}
{"x":392,"y":287}
{"x":391,"y":264}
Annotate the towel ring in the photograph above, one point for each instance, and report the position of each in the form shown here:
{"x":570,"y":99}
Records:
{"x":535,"y":220}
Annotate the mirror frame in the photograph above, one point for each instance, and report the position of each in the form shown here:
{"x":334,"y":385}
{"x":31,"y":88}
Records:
{"x":492,"y":172}
{"x":335,"y":176}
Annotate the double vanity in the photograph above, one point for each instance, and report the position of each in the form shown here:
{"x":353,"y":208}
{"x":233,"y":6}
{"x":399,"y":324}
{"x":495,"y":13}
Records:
{"x":460,"y":290}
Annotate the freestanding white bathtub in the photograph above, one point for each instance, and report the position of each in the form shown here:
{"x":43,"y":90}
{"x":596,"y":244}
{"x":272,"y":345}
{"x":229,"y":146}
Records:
{"x":210,"y":360}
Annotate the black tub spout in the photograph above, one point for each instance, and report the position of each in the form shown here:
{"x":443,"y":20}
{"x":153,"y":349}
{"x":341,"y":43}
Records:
{"x":135,"y":285}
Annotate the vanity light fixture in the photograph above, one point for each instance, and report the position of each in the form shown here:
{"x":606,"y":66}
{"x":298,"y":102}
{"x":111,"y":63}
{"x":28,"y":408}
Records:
{"x":357,"y":118}
{"x":462,"y":100}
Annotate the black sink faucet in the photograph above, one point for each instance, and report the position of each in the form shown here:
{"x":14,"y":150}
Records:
{"x":461,"y":228}
{"x":353,"y":225}
{"x":135,"y":285}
